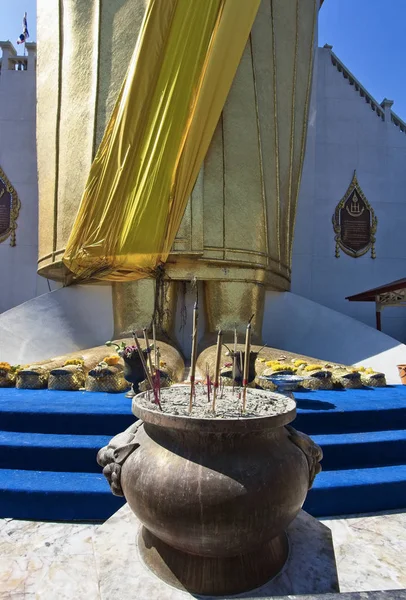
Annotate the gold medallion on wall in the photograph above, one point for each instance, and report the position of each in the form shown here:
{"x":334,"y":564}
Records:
{"x":9,"y":209}
{"x":354,"y":223}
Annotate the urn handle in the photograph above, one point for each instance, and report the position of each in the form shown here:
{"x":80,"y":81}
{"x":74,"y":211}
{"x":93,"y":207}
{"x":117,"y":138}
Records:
{"x":114,"y":455}
{"x":310,"y":449}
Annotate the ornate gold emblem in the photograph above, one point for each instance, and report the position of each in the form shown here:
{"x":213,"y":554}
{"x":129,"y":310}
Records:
{"x":9,"y":209}
{"x":354,"y":223}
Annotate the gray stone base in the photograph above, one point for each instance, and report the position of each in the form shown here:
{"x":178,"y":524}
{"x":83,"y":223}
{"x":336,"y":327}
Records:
{"x":310,"y":568}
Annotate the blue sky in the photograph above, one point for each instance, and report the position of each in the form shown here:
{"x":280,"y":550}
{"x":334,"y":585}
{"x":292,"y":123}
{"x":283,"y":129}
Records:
{"x":11,"y":16}
{"x":367,"y":35}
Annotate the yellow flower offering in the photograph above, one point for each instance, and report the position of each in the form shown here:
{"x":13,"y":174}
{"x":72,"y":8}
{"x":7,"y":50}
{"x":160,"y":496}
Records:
{"x":300,"y":363}
{"x":277,"y":366}
{"x":5,"y":366}
{"x":271,"y":363}
{"x":74,"y":361}
{"x":111,"y":360}
{"x":313,"y":368}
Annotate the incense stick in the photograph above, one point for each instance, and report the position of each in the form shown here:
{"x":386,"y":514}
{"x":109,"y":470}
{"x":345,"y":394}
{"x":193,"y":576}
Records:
{"x":246,"y":364}
{"x":235,"y":356}
{"x":241,"y":367}
{"x":260,"y":350}
{"x":217,"y":368}
{"x":155,"y":348}
{"x":208,"y":382}
{"x":148,"y":351}
{"x":158,"y":375}
{"x":142,"y":358}
{"x":193,"y":356}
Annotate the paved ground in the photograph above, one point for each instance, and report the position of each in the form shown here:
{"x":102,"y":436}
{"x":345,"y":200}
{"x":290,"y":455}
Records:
{"x":56,"y":560}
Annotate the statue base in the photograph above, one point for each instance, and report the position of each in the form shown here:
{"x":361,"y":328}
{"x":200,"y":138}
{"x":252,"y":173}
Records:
{"x":309,"y":569}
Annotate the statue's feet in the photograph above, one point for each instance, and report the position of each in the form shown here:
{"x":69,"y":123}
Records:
{"x":100,"y":369}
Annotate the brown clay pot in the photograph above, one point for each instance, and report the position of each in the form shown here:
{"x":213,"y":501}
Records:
{"x":402,"y":373}
{"x":215,"y":497}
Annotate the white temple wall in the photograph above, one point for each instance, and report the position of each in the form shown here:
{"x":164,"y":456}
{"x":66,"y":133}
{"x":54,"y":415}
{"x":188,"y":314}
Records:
{"x":18,"y":159}
{"x":345,"y":134}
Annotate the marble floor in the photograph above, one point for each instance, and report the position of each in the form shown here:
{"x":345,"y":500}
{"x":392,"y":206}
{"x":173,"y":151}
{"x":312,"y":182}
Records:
{"x":56,"y":561}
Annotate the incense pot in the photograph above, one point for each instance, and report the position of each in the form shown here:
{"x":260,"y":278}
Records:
{"x":214,"y":495}
{"x":239,"y":368}
{"x":133,"y":370}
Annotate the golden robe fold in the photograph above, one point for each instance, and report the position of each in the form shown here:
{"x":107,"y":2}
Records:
{"x":160,"y":129}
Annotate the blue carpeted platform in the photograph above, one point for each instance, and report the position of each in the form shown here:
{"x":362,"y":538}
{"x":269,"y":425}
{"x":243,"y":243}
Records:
{"x":45,"y":411}
{"x":49,"y":441}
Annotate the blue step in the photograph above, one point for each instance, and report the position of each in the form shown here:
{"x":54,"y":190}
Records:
{"x":362,"y":450}
{"x":362,"y":433}
{"x":50,"y":452}
{"x":355,"y":491}
{"x":56,"y":496}
{"x":351,"y":411}
{"x":82,"y":413}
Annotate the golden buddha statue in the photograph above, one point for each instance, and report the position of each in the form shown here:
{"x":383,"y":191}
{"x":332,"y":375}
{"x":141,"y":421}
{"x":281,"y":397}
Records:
{"x":237,"y":230}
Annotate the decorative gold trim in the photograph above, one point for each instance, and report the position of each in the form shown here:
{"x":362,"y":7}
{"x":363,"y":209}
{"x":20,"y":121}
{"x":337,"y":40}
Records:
{"x":224,"y":184}
{"x":292,"y":136}
{"x":260,"y":155}
{"x":276,"y":127}
{"x":304,"y":126}
{"x":58,"y":127}
{"x":354,"y":185}
{"x":14,"y":210}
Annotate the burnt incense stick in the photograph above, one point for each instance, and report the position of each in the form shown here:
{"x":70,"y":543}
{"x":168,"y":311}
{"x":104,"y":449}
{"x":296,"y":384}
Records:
{"x":235,"y":356}
{"x":193,"y":356}
{"x":208,"y":382}
{"x":241,"y":367}
{"x":260,"y":350}
{"x":154,"y":343}
{"x":246,"y":363}
{"x":217,"y":368}
{"x":158,"y":373}
{"x":148,"y":351}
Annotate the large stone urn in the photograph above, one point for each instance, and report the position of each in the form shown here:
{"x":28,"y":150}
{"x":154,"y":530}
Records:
{"x":215,"y":496}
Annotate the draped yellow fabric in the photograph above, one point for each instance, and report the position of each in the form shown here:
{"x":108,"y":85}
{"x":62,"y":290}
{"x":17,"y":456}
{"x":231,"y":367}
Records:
{"x":160,"y":129}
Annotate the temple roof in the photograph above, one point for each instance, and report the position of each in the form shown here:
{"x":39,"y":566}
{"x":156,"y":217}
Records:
{"x":378,"y":108}
{"x":371,"y":295}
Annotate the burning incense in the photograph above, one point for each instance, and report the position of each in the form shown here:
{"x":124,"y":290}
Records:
{"x":217,"y":368}
{"x":193,"y":356}
{"x":246,"y":363}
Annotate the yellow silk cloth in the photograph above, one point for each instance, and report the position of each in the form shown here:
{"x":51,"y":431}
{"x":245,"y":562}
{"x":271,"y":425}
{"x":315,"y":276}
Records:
{"x":177,"y":83}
